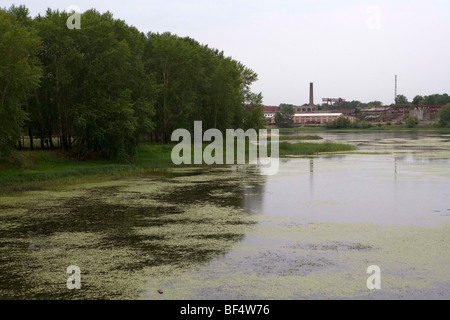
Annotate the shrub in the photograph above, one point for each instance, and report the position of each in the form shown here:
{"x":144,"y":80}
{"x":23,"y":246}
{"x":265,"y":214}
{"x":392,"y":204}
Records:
{"x":361,"y":124}
{"x":340,"y":123}
{"x":444,"y":116}
{"x":411,"y":122}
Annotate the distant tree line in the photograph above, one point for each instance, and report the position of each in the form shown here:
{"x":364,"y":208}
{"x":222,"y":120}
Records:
{"x":104,"y":87}
{"x":351,"y":105}
{"x":434,"y":99}
{"x":431,"y":100}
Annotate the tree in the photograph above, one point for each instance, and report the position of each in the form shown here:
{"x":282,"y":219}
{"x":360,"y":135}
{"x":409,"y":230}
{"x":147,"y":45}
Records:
{"x":22,"y":15}
{"x":436,"y":99}
{"x":430,"y":100}
{"x":285,"y":118}
{"x":95,"y":90}
{"x":20,"y":73}
{"x":200,"y":83}
{"x":279,"y":121}
{"x":254,"y":117}
{"x":444,"y":116}
{"x":113,"y":87}
{"x":418,"y":100}
{"x":375,"y":103}
{"x":443,"y":99}
{"x":352,"y":104}
{"x":61,"y":58}
{"x":401,"y":99}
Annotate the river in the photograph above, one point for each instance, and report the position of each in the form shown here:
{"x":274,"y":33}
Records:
{"x":309,"y":232}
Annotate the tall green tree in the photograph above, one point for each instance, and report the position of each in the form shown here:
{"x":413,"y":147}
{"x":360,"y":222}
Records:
{"x":20,"y":73}
{"x":401,"y":99}
{"x":116,"y":96}
{"x":62,"y":61}
{"x":95,"y":89}
{"x":418,"y":100}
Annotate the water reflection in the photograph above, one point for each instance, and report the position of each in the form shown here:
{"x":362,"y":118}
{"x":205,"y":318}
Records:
{"x":324,"y":219}
{"x":401,"y":188}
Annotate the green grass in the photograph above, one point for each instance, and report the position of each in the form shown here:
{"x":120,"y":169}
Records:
{"x":308,"y":137}
{"x":40,"y":169}
{"x":304,"y":148}
{"x":151,"y":157}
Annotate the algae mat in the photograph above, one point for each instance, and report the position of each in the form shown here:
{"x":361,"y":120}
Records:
{"x":117,"y":233}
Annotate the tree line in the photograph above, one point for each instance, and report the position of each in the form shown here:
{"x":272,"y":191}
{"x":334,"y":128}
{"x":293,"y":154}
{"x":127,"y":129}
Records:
{"x":106,"y":86}
{"x":430,"y":100}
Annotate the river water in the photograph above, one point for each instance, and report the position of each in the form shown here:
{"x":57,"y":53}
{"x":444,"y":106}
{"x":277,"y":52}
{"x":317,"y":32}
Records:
{"x":309,"y":232}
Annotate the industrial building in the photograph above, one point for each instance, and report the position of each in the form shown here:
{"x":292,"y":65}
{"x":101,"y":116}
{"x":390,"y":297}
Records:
{"x":313,"y":118}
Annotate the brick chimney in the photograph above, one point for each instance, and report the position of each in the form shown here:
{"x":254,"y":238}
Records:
{"x":311,"y":94}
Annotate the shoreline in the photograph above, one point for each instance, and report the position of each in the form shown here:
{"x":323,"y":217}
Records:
{"x":44,"y":169}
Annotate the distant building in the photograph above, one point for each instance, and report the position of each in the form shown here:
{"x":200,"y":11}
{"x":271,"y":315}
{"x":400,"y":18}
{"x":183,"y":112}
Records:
{"x":269,"y":112}
{"x":305,"y":109}
{"x":313,"y":118}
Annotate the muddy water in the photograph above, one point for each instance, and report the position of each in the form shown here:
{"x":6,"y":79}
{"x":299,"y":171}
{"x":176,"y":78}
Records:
{"x":309,"y":232}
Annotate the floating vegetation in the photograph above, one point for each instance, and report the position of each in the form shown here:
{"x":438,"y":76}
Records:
{"x":117,"y":233}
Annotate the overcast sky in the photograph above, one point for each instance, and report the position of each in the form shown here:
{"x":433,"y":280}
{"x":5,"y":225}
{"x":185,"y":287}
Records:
{"x":350,"y":49}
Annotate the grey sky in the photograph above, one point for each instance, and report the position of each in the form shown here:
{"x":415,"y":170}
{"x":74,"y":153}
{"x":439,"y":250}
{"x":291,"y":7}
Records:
{"x":349,"y":49}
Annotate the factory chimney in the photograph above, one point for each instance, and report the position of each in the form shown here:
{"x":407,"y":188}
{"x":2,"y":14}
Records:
{"x":311,"y":94}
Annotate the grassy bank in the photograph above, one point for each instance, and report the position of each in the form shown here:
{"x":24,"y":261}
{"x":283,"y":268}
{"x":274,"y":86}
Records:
{"x":300,"y":138}
{"x":304,"y":148}
{"x":36,"y":170}
{"x":39,"y":169}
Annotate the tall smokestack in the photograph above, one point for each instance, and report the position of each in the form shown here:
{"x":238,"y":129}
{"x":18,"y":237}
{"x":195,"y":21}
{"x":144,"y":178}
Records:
{"x":311,"y":94}
{"x":396,"y":82}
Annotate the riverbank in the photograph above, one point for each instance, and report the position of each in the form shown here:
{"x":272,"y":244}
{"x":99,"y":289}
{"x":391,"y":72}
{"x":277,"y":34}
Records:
{"x":300,"y":138}
{"x":35,"y":170}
